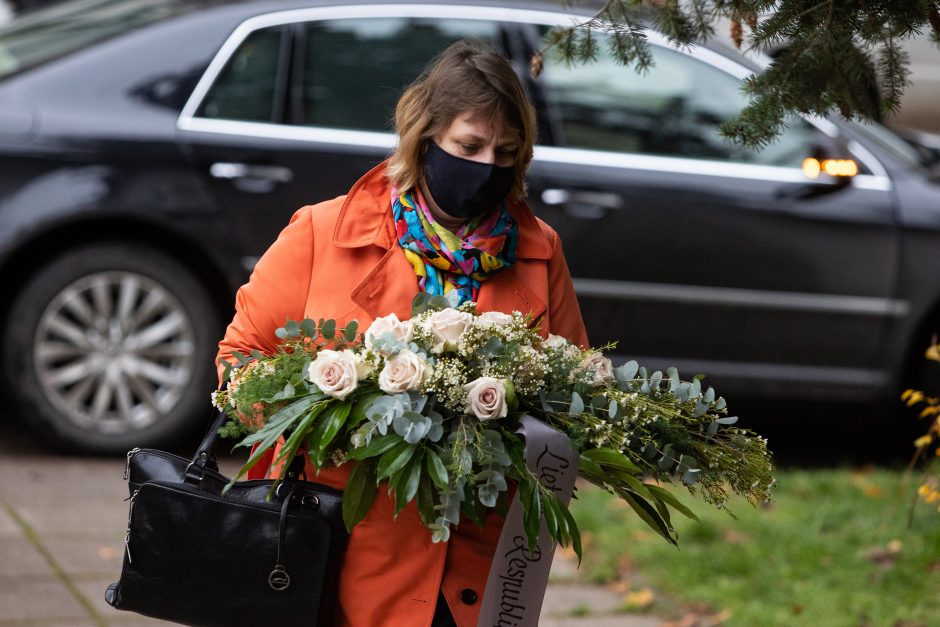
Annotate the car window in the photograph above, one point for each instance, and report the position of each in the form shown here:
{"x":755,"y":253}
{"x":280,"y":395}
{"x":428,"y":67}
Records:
{"x":67,"y":27}
{"x":355,"y":69}
{"x":674,"y":109}
{"x":245,"y":89}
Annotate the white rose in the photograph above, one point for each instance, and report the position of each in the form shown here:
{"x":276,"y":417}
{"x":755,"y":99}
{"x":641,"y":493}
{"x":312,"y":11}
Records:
{"x":494,"y":318}
{"x":401,"y":331}
{"x":337,"y":373}
{"x":555,"y":342}
{"x":486,"y":398}
{"x":446,"y":327}
{"x":601,"y":368}
{"x":403,"y":372}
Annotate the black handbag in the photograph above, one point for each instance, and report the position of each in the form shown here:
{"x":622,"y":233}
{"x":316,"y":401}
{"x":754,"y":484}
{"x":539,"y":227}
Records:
{"x":250,"y":556}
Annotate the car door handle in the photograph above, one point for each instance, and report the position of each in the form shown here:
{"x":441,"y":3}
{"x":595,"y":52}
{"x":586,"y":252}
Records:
{"x":272,"y":173}
{"x":583,"y":203}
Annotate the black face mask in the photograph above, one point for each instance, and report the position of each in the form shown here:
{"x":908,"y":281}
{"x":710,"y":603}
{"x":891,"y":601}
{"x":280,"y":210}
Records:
{"x":462,"y":188}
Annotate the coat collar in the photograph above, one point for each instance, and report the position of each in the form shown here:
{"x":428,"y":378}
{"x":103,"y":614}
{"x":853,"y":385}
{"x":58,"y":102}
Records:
{"x":365,"y":219}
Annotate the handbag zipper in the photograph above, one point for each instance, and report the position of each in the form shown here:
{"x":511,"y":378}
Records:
{"x":127,"y":466}
{"x":127,"y":535}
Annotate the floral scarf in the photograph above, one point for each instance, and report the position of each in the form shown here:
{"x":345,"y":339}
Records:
{"x":453,"y":264}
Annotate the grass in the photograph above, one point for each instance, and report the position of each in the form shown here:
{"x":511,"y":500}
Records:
{"x":834,"y":548}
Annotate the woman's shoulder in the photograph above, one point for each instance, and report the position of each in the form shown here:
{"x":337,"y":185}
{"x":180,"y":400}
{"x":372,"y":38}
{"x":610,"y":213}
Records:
{"x":321,"y":215}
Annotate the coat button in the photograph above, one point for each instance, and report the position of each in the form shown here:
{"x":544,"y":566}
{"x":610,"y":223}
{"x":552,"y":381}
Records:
{"x":468,"y":596}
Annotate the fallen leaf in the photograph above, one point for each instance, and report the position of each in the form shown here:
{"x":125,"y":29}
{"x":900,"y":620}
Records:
{"x":639,"y":599}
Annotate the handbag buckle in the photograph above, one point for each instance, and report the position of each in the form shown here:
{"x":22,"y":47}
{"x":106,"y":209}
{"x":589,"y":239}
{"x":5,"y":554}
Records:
{"x":279,"y":580}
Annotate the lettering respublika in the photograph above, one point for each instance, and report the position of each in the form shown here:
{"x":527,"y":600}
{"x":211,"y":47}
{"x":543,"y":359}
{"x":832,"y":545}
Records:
{"x":516,"y":584}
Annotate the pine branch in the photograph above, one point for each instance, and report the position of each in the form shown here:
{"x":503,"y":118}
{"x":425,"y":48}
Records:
{"x":836,"y":56}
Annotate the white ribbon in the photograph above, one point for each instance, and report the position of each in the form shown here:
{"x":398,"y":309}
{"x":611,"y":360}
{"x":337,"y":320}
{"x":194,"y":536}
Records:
{"x":516,"y":584}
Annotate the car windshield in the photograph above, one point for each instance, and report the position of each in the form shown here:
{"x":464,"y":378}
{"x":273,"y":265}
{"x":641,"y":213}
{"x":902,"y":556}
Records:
{"x":70,"y":26}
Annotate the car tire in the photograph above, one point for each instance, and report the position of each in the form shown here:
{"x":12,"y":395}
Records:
{"x":110,"y":346}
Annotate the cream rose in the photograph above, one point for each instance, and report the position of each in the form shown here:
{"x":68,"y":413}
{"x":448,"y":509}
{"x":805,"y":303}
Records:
{"x":403,"y":372}
{"x":446,"y":327}
{"x":401,"y":331}
{"x":486,"y":398}
{"x":601,"y":368}
{"x":555,"y":342}
{"x":337,"y":373}
{"x":494,"y":318}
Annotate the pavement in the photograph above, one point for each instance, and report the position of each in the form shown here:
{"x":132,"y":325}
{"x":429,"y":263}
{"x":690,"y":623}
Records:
{"x":62,"y":522}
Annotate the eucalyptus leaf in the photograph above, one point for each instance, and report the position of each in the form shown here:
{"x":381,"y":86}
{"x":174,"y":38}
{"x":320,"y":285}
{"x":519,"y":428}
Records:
{"x":656,"y":379}
{"x":292,"y":328}
{"x":727,"y":420}
{"x":613,"y":409}
{"x":328,"y":329}
{"x":309,"y":328}
{"x":674,"y":381}
{"x":577,"y":405}
{"x":690,"y":476}
{"x":349,"y":333}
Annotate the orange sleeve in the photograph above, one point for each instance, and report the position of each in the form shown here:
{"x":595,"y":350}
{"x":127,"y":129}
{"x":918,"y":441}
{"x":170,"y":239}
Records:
{"x":564,"y":314}
{"x":275,"y":293}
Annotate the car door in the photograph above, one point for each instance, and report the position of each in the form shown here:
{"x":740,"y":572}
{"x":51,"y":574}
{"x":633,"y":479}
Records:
{"x":295,"y":108}
{"x":693,"y":252}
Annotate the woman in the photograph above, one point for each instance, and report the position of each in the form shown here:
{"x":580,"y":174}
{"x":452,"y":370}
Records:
{"x":444,"y":215}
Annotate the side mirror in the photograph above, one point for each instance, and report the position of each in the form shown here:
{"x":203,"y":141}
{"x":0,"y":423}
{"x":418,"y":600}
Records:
{"x":830,"y":165}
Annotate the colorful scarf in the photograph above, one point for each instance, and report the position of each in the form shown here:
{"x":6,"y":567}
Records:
{"x":447,"y":262}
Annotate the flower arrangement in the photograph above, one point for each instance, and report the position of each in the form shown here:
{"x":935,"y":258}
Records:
{"x":427,"y":408}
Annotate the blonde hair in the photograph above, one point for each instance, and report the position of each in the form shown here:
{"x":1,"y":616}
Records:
{"x":467,"y":76}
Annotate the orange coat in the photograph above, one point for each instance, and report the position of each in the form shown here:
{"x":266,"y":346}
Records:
{"x":340,"y":260}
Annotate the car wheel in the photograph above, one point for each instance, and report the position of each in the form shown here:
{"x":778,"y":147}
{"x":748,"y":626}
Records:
{"x":111,"y":346}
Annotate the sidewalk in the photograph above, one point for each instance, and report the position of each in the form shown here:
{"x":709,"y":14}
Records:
{"x":62,"y":525}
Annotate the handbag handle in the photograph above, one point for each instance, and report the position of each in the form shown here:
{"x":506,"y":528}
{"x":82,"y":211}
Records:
{"x":205,"y":454}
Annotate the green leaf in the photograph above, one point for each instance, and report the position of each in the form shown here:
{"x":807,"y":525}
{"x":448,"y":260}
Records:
{"x":278,"y":422}
{"x":426,"y":500}
{"x":493,"y":347}
{"x":531,"y":510}
{"x":309,"y":328}
{"x":439,"y":302}
{"x":328,"y":329}
{"x":281,"y":333}
{"x":292,"y":328}
{"x":611,"y":458}
{"x":674,"y":381}
{"x":573,"y":530}
{"x":395,"y":459}
{"x":414,"y":478}
{"x":648,"y":514}
{"x":436,"y":470}
{"x":669,"y":498}
{"x":257,"y":354}
{"x":349,"y":333}
{"x":577,"y":405}
{"x":324,"y":433}
{"x":241,"y":357}
{"x":359,"y":493}
{"x":420,"y":304}
{"x":299,"y":433}
{"x":727,"y":420}
{"x":376,"y":447}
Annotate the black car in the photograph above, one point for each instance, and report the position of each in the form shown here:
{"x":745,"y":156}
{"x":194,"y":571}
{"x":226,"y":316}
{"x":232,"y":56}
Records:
{"x":151,"y":150}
